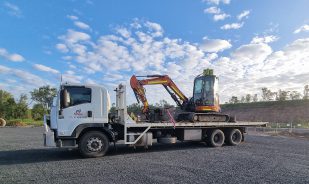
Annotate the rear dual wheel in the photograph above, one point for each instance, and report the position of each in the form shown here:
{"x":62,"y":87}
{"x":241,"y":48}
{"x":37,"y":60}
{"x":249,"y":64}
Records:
{"x":215,"y":138}
{"x":233,"y":137}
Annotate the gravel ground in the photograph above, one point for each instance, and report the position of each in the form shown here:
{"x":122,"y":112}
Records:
{"x":260,"y":159}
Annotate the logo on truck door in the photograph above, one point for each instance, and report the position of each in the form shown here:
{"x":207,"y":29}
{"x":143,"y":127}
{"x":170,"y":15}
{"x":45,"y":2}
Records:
{"x":78,"y":114}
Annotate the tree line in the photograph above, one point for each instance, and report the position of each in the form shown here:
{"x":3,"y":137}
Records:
{"x":268,"y":95}
{"x":11,"y":108}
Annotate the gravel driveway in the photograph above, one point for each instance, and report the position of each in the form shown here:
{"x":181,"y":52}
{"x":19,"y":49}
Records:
{"x":260,"y":159}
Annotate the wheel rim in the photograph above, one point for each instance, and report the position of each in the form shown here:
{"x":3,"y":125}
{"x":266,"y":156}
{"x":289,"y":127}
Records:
{"x":234,"y":137}
{"x":216,"y":138}
{"x":94,"y":144}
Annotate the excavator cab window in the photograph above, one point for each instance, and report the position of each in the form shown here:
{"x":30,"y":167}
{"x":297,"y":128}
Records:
{"x":204,"y":90}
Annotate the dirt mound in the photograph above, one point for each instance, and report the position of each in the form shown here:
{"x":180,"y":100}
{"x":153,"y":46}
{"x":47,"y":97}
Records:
{"x":276,"y":111}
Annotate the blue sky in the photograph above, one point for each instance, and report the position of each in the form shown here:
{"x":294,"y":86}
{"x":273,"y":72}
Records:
{"x":250,"y":44}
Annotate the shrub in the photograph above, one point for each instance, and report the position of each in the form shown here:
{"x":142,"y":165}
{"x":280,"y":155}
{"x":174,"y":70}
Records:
{"x":38,"y":112}
{"x":16,"y":122}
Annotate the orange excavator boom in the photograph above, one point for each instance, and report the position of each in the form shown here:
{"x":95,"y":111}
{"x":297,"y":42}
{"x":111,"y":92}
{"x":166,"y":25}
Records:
{"x":165,"y":80}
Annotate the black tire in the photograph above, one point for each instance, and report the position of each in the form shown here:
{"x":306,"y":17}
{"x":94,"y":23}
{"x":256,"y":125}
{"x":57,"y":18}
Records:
{"x":93,"y":144}
{"x":216,"y":138}
{"x":234,"y":137}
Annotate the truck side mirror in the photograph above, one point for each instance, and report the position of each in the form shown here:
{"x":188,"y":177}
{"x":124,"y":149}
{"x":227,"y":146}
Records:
{"x":66,"y":98}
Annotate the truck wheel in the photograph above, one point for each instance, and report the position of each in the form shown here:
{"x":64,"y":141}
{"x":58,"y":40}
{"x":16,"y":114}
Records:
{"x":233,"y":137}
{"x":216,"y":138}
{"x":93,"y":144}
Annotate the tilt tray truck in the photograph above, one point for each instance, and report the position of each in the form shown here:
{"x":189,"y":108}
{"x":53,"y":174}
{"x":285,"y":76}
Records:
{"x":79,"y":117}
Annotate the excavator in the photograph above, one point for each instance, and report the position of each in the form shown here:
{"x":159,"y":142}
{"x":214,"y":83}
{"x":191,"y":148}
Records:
{"x":202,"y":107}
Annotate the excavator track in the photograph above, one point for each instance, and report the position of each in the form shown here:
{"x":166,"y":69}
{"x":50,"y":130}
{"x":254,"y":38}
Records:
{"x":205,"y":117}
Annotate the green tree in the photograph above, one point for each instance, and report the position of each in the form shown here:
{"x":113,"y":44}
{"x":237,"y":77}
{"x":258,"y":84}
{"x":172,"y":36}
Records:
{"x":21,"y":107}
{"x":267,"y":94}
{"x":283,"y":95}
{"x":255,"y":98}
{"x":163,"y":103}
{"x":248,"y":98}
{"x":10,"y":106}
{"x":5,"y":97}
{"x":242,"y":99}
{"x":295,"y":95}
{"x":234,"y":100}
{"x":135,"y":108}
{"x":38,"y":112}
{"x":113,"y":109}
{"x":44,"y":96}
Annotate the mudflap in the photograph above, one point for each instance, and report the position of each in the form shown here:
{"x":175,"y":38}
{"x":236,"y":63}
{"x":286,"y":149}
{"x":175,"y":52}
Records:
{"x":49,"y":139}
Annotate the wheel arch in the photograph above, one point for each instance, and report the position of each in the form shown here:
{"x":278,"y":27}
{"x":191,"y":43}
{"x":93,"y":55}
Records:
{"x":81,"y":129}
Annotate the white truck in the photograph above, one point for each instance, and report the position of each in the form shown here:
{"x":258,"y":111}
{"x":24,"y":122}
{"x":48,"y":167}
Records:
{"x":79,"y":117}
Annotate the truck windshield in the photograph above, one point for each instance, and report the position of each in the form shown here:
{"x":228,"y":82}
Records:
{"x":78,"y":95}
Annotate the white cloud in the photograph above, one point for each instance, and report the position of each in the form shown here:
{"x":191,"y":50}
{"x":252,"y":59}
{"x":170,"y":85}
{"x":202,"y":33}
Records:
{"x":75,"y":36}
{"x":215,"y":45}
{"x":212,"y":10}
{"x":90,"y":81}
{"x":19,"y":81}
{"x":13,"y":9}
{"x":24,"y":76}
{"x":72,"y":78}
{"x":124,"y":32}
{"x":222,"y":16}
{"x":11,"y":56}
{"x":303,"y":28}
{"x":45,"y":68}
{"x":82,"y":25}
{"x":232,"y":26}
{"x":265,"y":39}
{"x":252,"y":51}
{"x":62,"y":47}
{"x":113,"y":77}
{"x":156,"y":28}
{"x":244,"y":14}
{"x":70,"y":72}
{"x":255,"y":65}
{"x":15,"y":58}
{"x":72,"y":17}
{"x":247,"y":69}
{"x":4,"y":69}
{"x":217,"y":2}
{"x":144,"y":51}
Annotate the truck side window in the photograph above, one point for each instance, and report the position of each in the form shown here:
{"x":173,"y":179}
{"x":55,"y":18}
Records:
{"x":78,"y":95}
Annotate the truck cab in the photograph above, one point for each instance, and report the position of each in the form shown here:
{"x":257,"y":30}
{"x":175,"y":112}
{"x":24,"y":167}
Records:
{"x":75,"y":107}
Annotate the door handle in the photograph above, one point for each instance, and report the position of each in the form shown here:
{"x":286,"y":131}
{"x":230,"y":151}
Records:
{"x":89,"y":114}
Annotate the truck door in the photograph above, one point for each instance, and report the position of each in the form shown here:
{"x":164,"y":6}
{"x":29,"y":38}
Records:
{"x":75,"y":108}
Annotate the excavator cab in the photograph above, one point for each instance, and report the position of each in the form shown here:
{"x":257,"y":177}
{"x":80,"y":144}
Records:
{"x":205,"y":92}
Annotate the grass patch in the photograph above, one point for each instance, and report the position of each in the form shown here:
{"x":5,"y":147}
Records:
{"x":24,"y":122}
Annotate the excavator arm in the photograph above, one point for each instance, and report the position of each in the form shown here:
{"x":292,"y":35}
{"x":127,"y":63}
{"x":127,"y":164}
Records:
{"x":165,"y":80}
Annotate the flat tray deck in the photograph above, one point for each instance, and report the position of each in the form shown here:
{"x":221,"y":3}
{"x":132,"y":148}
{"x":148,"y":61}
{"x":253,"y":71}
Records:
{"x":197,"y":124}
